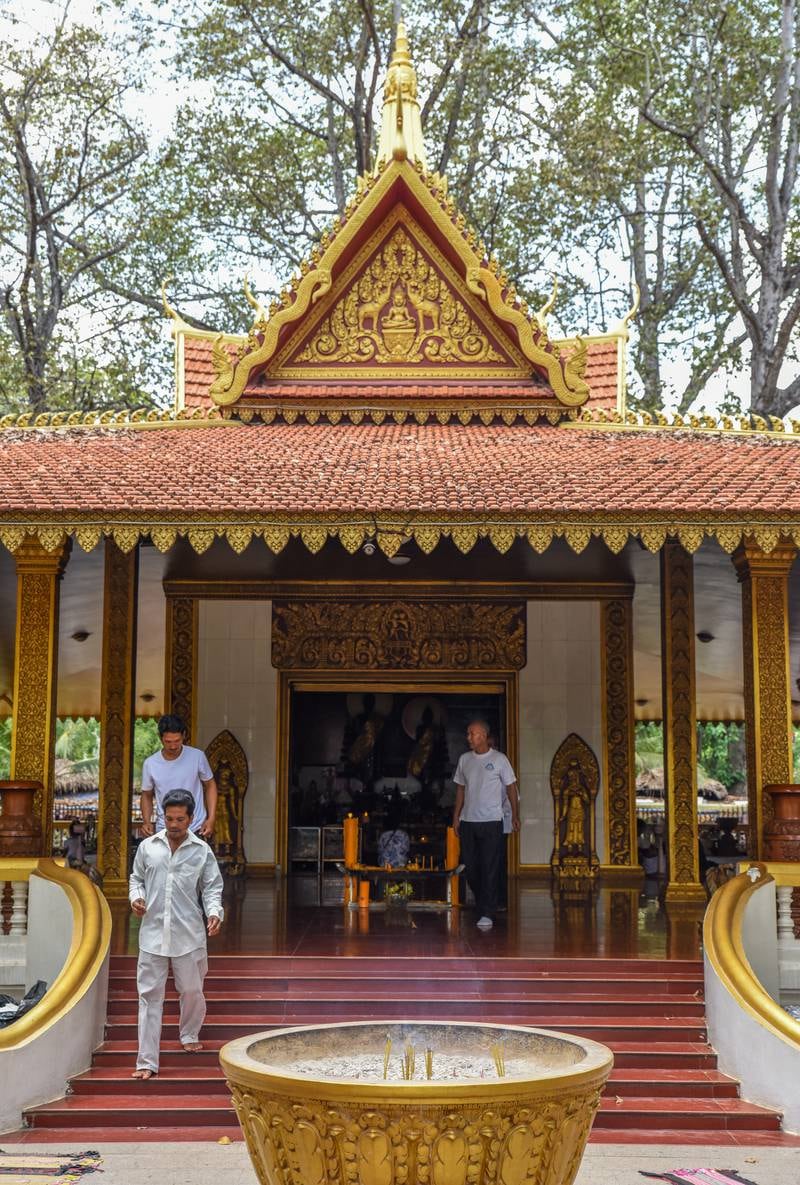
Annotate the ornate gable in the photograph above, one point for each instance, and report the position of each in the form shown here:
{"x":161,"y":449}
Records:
{"x":401,"y":289}
{"x":399,"y":310}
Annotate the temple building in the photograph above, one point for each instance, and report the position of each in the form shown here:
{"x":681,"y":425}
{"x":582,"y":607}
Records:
{"x":396,"y":504}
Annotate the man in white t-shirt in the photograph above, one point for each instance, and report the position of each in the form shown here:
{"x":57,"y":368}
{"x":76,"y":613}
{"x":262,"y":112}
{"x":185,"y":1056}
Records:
{"x":177,"y":767}
{"x":483,"y":777}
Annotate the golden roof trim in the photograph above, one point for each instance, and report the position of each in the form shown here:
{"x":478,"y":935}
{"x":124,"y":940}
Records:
{"x":392,"y":530}
{"x":424,"y":411}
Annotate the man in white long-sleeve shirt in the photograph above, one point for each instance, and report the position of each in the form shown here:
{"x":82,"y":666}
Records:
{"x":173,"y":872}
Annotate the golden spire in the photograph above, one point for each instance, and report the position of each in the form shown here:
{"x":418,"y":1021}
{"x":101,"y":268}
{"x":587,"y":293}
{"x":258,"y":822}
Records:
{"x":401,"y":125}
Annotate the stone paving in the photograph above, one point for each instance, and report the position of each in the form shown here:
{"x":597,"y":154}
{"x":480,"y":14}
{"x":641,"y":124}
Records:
{"x":604,"y":1164}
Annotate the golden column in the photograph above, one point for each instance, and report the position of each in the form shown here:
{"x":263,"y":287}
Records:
{"x":680,"y":724}
{"x":618,"y":724}
{"x":181,"y":661}
{"x":39,"y":573}
{"x":764,"y":578}
{"x":117,"y":699}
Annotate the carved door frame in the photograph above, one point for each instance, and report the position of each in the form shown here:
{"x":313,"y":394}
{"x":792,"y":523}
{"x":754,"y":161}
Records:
{"x":505,"y":683}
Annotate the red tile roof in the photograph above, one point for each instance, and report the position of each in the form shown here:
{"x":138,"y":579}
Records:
{"x":263,"y":469}
{"x":601,"y":374}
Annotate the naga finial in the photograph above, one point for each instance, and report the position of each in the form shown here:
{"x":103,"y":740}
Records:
{"x":624,"y":322}
{"x":177,"y":320}
{"x":254,"y":302}
{"x":548,"y":306}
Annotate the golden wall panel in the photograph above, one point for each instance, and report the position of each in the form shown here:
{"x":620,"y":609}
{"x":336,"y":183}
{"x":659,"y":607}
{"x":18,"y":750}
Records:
{"x":181,"y":660}
{"x":39,"y":573}
{"x":680,"y":724}
{"x":767,"y":690}
{"x":118,"y":710}
{"x":618,"y":724}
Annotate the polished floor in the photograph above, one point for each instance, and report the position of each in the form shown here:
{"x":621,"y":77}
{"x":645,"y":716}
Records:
{"x":280,"y":917}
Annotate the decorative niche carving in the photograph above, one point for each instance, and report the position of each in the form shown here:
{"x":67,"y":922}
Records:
{"x":574,"y":784}
{"x":398,"y":635}
{"x":229,"y":766}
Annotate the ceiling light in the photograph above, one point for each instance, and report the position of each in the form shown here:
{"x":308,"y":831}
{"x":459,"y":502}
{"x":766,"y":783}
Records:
{"x":705,"y":636}
{"x":147,"y":696}
{"x":641,"y":703}
{"x":80,"y":635}
{"x":398,"y":559}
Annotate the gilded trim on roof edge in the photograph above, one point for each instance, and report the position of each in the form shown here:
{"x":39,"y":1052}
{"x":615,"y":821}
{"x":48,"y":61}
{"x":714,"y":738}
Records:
{"x":390,"y":531}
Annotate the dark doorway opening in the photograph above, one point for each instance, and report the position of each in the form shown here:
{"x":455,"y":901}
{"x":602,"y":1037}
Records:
{"x":386,"y":756}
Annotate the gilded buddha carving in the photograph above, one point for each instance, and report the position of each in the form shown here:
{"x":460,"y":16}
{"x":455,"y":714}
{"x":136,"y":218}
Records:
{"x":574,"y":784}
{"x":574,"y":806}
{"x":229,"y":764}
{"x":400,"y":309}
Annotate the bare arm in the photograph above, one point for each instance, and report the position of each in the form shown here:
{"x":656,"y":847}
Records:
{"x":458,"y":807}
{"x":513,"y":798}
{"x":147,"y":798}
{"x":210,"y":795}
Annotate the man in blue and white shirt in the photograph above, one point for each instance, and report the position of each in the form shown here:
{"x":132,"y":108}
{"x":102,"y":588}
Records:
{"x":483,"y":779}
{"x":173,"y":872}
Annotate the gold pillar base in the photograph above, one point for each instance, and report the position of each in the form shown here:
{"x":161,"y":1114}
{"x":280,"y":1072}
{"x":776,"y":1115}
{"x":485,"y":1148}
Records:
{"x":680,"y":893}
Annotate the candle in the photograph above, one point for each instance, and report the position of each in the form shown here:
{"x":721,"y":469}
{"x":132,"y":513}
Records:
{"x":363,"y":894}
{"x":350,"y":839}
{"x":452,"y":849}
{"x":350,"y":828}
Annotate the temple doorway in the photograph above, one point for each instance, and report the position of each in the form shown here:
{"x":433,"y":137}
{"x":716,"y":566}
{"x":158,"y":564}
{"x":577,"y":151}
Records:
{"x":383,"y":753}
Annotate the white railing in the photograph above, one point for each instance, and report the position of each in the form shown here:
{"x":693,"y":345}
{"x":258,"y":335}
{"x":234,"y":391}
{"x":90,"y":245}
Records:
{"x":62,"y":929}
{"x":13,"y":932}
{"x":786,"y":880}
{"x":746,"y":969}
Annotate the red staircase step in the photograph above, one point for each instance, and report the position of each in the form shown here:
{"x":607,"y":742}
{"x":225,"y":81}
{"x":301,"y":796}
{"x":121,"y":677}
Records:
{"x":686,"y":1114}
{"x":665,"y":1083}
{"x":184,"y":1077}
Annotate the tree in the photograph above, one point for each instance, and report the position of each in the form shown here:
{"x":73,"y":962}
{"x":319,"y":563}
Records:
{"x":293,"y":92}
{"x":635,"y":190}
{"x":69,"y":155}
{"x":290,"y":122}
{"x":739,"y":117}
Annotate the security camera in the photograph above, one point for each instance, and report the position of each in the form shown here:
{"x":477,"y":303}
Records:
{"x":369,"y":548}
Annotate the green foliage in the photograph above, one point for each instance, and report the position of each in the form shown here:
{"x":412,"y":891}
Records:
{"x":6,"y":727}
{"x":78,"y":740}
{"x":720,"y":752}
{"x":145,"y":742}
{"x":648,"y":746}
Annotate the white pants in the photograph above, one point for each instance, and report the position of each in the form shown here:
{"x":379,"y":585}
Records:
{"x":189,"y":971}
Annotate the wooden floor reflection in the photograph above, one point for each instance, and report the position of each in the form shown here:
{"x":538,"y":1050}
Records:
{"x":274,"y":917}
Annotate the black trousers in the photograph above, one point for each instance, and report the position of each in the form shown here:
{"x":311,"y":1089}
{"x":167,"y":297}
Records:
{"x":482,"y":855}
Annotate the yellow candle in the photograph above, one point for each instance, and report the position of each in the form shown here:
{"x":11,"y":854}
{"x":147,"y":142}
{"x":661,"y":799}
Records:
{"x":350,"y":839}
{"x":452,"y":851}
{"x":363,"y":894}
{"x":350,"y":827}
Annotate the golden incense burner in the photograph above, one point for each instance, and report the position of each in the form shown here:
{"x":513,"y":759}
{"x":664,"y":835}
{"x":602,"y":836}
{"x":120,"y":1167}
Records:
{"x":351,"y":1104}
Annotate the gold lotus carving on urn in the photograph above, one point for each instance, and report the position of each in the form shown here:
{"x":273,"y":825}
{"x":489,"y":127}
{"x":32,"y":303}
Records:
{"x":316,"y":1143}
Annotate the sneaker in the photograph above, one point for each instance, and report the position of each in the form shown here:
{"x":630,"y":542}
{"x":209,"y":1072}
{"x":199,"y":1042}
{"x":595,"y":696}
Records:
{"x":485,"y":923}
